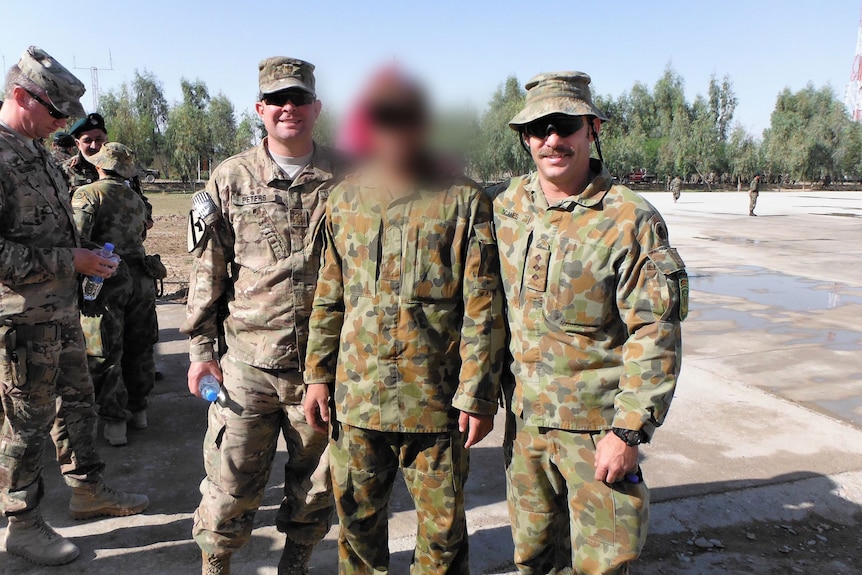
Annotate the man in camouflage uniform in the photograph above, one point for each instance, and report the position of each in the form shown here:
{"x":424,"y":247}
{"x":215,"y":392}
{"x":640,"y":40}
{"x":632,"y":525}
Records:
{"x":753,"y":194}
{"x":402,"y":337}
{"x":61,"y":147}
{"x":676,"y":188}
{"x":120,"y":325}
{"x":256,"y":234}
{"x":595,"y":296}
{"x":44,"y":384}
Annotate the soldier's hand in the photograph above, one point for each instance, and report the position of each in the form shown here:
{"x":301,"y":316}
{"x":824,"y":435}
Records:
{"x":614,"y":459}
{"x":89,"y":263}
{"x":316,"y":406}
{"x":477,"y":427}
{"x":199,"y":369}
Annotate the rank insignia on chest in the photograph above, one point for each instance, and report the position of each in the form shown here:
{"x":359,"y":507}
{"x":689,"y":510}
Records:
{"x":683,"y":296}
{"x":299,"y":218}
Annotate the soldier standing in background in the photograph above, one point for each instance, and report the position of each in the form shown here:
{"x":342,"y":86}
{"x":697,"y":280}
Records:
{"x":62,"y":147}
{"x":90,"y":134}
{"x":404,"y":341}
{"x":676,"y":188}
{"x":594,"y":299}
{"x":120,"y":325}
{"x":43,"y":366}
{"x":753,"y":194}
{"x":257,"y":235}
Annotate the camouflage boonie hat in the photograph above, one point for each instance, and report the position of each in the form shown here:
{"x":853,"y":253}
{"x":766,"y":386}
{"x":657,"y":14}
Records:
{"x":557,"y":93}
{"x":64,"y":90}
{"x":279,"y":73}
{"x":116,"y":158}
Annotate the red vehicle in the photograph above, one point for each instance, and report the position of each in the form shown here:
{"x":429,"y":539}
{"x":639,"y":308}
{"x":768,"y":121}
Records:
{"x":639,"y":177}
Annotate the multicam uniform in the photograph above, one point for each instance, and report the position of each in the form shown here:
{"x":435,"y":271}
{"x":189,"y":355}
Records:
{"x":259,"y":247}
{"x":42,"y":347}
{"x":676,"y":188}
{"x":595,"y":296}
{"x":753,"y":194}
{"x":120,"y":325}
{"x":403,"y":329}
{"x":80,"y":172}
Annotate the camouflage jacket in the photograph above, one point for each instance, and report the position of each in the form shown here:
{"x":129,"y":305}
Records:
{"x":676,"y":184}
{"x":110,"y":211}
{"x":38,"y":282}
{"x":262,"y":252}
{"x":594,"y":299}
{"x":403,"y":318}
{"x":754,"y":186}
{"x":79,"y":171}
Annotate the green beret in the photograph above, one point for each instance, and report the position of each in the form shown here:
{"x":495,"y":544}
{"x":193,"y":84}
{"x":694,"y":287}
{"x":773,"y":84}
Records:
{"x":89,"y":122}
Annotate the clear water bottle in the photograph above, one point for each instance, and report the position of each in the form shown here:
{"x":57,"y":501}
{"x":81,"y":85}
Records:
{"x":210,"y":389}
{"x":93,"y":284}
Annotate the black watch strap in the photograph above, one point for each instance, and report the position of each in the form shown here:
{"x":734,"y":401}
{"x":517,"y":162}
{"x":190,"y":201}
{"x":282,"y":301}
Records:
{"x":631,"y":437}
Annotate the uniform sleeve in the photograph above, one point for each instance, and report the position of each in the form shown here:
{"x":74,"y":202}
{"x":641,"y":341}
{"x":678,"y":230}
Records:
{"x":482,"y":344}
{"x":209,"y":279}
{"x":652,"y":300}
{"x":327,"y":313}
{"x":86,"y":207}
{"x":21,"y":264}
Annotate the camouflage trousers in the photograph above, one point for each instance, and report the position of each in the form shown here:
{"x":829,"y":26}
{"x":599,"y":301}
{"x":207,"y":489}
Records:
{"x":239,"y":447}
{"x":752,"y":201}
{"x":364,"y":466}
{"x":563,"y":520}
{"x":51,"y":364}
{"x":120,"y":329}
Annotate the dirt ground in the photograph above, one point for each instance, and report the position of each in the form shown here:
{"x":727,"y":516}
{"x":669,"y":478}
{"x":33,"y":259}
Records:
{"x":168,"y":238}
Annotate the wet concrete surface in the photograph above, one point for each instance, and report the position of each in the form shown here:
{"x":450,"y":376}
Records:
{"x":766,"y":419}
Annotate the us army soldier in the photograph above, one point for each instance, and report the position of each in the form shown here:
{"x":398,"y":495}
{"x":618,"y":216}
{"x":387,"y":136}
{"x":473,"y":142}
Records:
{"x":594,"y":299}
{"x":402,"y":330}
{"x":257,"y":236}
{"x":43,"y":367}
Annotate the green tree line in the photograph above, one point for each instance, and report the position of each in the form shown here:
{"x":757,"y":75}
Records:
{"x":655,"y":129}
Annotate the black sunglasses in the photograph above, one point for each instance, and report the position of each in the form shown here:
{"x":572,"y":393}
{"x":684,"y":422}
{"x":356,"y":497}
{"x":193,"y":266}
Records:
{"x":561,"y":125}
{"x":296,"y":97}
{"x":52,"y":111}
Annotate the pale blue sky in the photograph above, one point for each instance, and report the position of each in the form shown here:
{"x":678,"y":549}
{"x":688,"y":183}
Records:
{"x":463,"y":49}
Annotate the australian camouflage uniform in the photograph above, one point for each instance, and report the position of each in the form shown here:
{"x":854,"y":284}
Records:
{"x":403,"y":332}
{"x":256,"y":235}
{"x":594,"y":299}
{"x":120,"y":325}
{"x":753,"y":194}
{"x":42,"y":348}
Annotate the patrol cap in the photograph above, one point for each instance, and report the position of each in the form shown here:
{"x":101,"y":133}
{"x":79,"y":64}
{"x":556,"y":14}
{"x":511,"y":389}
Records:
{"x":557,"y":93}
{"x":280,"y":73}
{"x":116,"y":158}
{"x":89,"y":122}
{"x":64,"y":90}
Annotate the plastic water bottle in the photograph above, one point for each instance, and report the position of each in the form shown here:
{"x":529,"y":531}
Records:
{"x":93,"y":284}
{"x":210,"y":388}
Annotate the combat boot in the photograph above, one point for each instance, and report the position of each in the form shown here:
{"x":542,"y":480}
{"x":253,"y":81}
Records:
{"x":115,"y":433}
{"x":295,"y":558}
{"x":97,"y":500}
{"x":28,"y":536}
{"x":215,"y":564}
{"x":139,"y":419}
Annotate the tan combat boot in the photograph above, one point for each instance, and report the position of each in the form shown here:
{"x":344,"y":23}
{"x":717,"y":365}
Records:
{"x":295,"y":558}
{"x":97,"y":500}
{"x":215,"y":564}
{"x":28,"y":536}
{"x":115,"y":433}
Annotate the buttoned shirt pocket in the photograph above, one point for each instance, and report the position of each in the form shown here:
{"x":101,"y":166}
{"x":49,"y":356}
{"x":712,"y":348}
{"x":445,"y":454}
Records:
{"x":580,"y":288}
{"x":666,"y":283}
{"x":357,"y":236}
{"x":262,"y":233}
{"x":436,"y":261}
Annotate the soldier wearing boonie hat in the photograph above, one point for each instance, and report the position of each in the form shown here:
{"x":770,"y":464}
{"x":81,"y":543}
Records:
{"x":117,"y":158}
{"x":595,"y":339}
{"x":259,"y":292}
{"x":42,"y":354}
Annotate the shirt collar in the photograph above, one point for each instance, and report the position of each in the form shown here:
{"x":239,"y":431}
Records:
{"x":592,"y":195}
{"x":318,"y":169}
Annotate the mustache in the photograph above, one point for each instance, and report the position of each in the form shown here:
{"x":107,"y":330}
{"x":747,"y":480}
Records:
{"x":556,"y":151}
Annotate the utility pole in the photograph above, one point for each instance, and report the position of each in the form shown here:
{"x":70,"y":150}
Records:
{"x":853,"y":99}
{"x":94,"y":78}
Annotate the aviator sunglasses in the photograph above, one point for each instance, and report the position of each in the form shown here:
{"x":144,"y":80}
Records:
{"x":296,"y":97}
{"x":563,"y":126}
{"x":52,"y":111}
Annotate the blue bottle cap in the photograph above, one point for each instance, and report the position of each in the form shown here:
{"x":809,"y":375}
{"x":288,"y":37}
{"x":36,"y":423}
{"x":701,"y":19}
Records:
{"x":109,"y":247}
{"x":211,"y":394}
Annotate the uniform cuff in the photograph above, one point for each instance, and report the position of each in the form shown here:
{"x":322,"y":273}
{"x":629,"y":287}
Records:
{"x":318,"y":375}
{"x":201,"y":352}
{"x":465,"y":403}
{"x":634,"y":421}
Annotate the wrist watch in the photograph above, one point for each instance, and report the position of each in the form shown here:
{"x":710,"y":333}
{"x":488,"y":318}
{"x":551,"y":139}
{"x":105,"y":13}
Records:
{"x":631,"y":437}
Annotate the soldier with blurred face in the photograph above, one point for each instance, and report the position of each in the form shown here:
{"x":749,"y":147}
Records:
{"x":594,"y":299}
{"x":257,"y":236}
{"x":44,"y":383}
{"x":402,"y":338}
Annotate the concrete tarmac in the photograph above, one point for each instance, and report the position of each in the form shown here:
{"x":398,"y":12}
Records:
{"x":766,"y":424}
